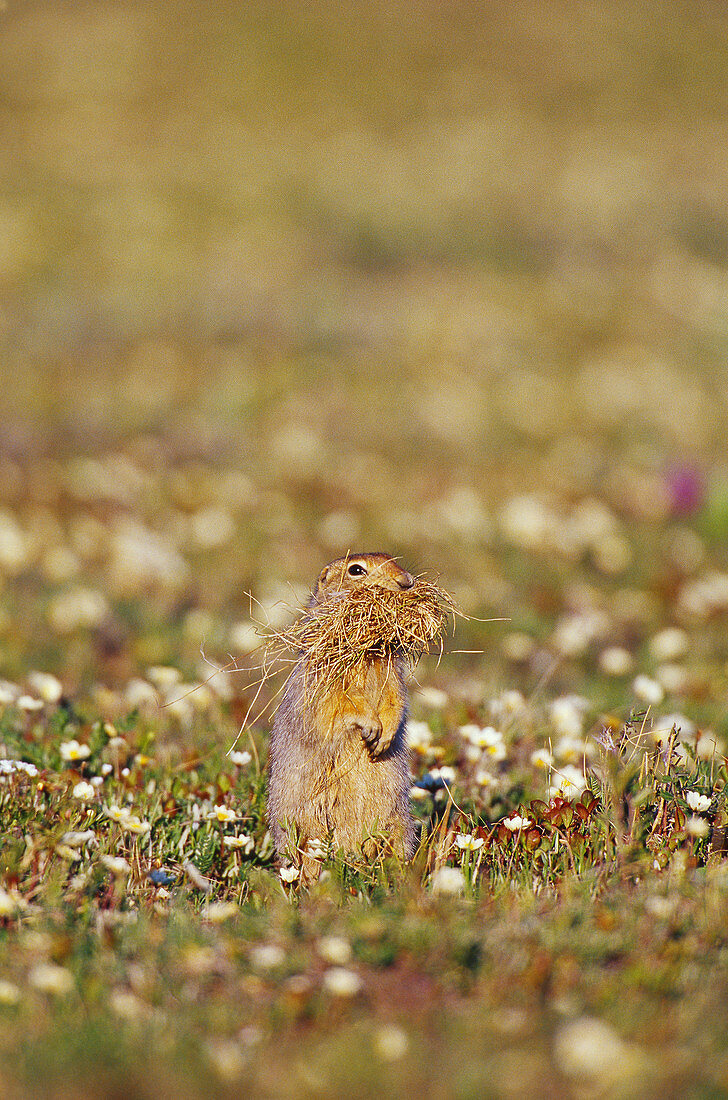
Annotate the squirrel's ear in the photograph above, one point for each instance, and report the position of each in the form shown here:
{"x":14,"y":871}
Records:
{"x":321,"y":581}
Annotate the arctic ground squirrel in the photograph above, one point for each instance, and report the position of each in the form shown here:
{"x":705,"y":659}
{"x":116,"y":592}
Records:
{"x":338,"y":760}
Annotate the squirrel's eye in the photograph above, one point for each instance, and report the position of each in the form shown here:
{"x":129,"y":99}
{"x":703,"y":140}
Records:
{"x":356,"y":570}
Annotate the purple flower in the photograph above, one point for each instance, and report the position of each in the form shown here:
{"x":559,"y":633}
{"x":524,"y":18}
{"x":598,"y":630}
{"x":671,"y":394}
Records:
{"x":685,"y":488}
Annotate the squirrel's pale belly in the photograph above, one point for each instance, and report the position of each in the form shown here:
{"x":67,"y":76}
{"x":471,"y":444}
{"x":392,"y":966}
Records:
{"x":325,"y":781}
{"x":341,"y":793}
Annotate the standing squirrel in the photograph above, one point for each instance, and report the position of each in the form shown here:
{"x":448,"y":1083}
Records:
{"x":339,"y":764}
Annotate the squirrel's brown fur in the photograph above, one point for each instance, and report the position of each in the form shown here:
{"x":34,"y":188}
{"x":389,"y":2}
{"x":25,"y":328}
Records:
{"x":339,"y":766}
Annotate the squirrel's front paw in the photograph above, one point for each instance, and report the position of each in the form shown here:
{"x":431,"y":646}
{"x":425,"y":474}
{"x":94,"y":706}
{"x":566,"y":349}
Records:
{"x":370,"y":729}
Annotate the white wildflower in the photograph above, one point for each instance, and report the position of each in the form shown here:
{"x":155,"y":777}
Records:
{"x":8,"y":904}
{"x":672,"y":678}
{"x":487,"y":739}
{"x":223,"y":814}
{"x":419,"y":736}
{"x":244,"y":637}
{"x":448,"y":881}
{"x":433,"y":697}
{"x":226,"y":1058}
{"x":508,"y":705}
{"x":542,"y":758}
{"x":648,"y":690}
{"x":9,"y":992}
{"x":469,"y":843}
{"x":8,"y":693}
{"x":267,"y":956}
{"x":240,"y":759}
{"x":575,"y":633}
{"x":116,"y":864}
{"x":128,"y":821}
{"x":126,"y":1004}
{"x":516,"y":823}
{"x":588,"y":1048}
{"x":390,"y":1043}
{"x":28,"y":703}
{"x":13,"y":545}
{"x":50,"y":978}
{"x":164,"y":677}
{"x":567,"y":782}
{"x":289,"y":874}
{"x":245,"y":844}
{"x":697,"y":801}
{"x":211,"y":527}
{"x":139,"y":695}
{"x":48,"y":687}
{"x":140,"y":557}
{"x":616,"y":661}
{"x":342,"y":982}
{"x":80,"y":608}
{"x":218,"y":911}
{"x":334,"y":949}
{"x":12,"y":767}
{"x":517,"y":646}
{"x":670,"y":644}
{"x":567,"y":715}
{"x":526,"y":521}
{"x":83,"y":791}
{"x":445,"y":773}
{"x":570,"y":749}
{"x":74,"y":750}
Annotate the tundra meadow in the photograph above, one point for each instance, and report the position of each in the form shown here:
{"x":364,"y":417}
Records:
{"x":284,"y":280}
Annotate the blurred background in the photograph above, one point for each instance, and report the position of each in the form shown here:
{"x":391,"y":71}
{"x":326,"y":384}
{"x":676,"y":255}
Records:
{"x":280,"y":280}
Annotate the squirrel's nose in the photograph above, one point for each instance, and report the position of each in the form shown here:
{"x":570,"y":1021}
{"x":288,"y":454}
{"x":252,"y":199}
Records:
{"x":406,"y":580}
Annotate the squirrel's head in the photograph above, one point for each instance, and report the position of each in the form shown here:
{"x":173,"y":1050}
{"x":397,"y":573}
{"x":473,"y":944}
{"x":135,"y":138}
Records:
{"x":358,"y":571}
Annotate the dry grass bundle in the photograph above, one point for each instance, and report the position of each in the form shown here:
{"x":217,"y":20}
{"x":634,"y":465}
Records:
{"x":343,"y":633}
